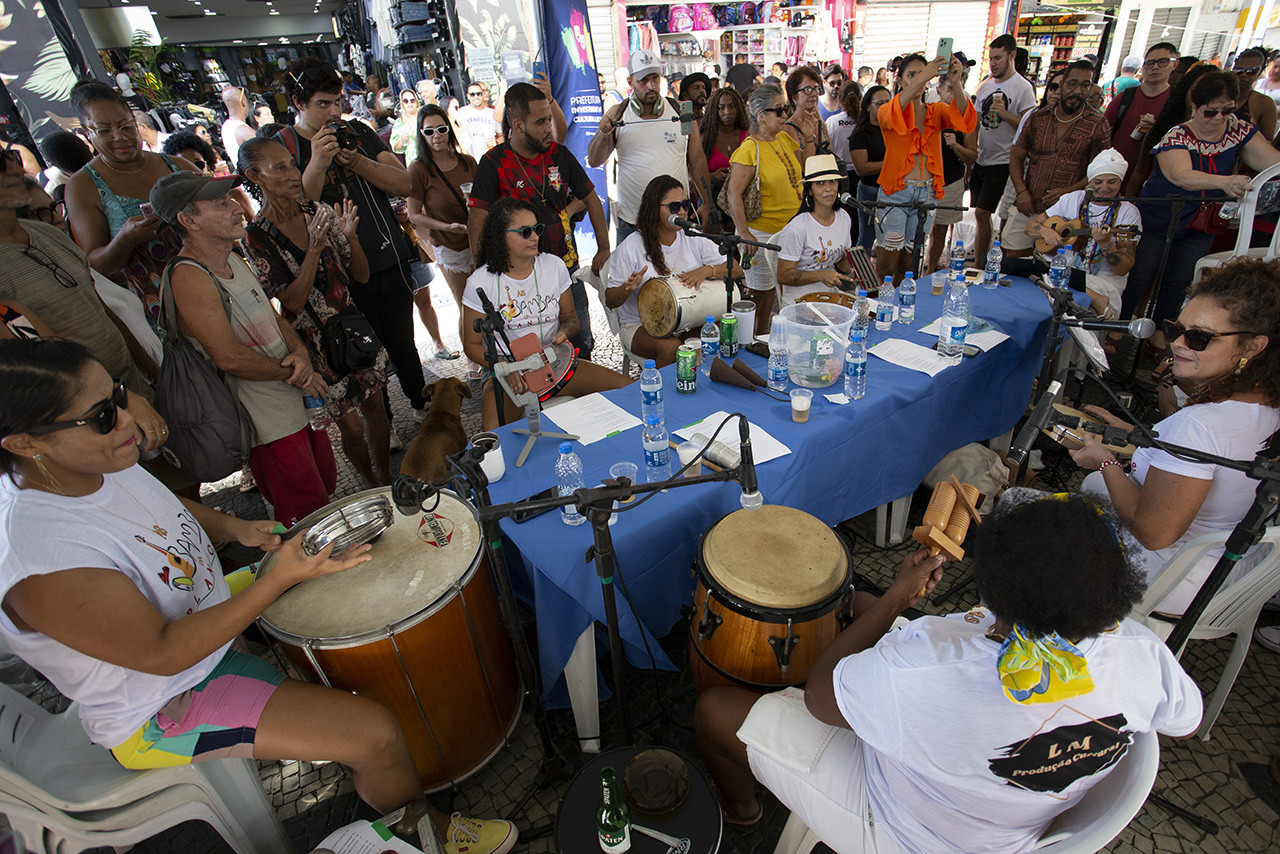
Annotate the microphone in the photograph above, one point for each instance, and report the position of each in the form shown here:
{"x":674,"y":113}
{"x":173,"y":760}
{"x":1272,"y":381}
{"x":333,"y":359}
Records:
{"x":408,"y":493}
{"x":751,"y":497}
{"x":686,"y":224}
{"x":1038,"y":421}
{"x":1139,"y":327}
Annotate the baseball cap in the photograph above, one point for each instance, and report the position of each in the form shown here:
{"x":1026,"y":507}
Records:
{"x":175,"y":191}
{"x":1131,"y":63}
{"x":964,"y":60}
{"x":643,"y":63}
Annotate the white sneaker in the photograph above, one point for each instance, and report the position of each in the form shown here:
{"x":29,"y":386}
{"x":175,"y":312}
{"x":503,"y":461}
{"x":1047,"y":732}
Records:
{"x":396,"y":444}
{"x":1268,"y":636}
{"x":419,"y":415}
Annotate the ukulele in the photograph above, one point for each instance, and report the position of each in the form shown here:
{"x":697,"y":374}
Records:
{"x":1069,"y":229}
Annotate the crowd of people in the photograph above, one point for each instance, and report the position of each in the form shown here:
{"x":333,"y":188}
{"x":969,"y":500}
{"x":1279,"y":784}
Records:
{"x":256,"y":251}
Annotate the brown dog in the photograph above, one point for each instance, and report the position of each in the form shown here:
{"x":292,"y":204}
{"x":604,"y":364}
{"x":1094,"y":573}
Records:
{"x":441,"y":434}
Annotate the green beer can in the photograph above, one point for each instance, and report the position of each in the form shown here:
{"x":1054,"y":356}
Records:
{"x":728,"y":336}
{"x":687,"y":369}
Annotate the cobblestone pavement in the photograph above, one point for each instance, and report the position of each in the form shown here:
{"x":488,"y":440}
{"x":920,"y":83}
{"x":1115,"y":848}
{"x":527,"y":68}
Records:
{"x":1223,"y":780}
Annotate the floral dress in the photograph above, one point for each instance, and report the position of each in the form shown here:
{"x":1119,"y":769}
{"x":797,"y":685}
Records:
{"x":278,"y":261}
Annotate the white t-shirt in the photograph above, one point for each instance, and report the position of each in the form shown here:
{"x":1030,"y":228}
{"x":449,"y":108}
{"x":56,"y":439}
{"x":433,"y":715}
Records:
{"x":840,"y":128}
{"x":994,"y":142}
{"x":136,"y":526}
{"x":1230,"y":429}
{"x":812,"y":246}
{"x":953,"y":765}
{"x":1265,"y":86}
{"x":1098,"y":275}
{"x":685,"y":254}
{"x":527,"y":305}
{"x":647,"y":148}
{"x":229,"y":141}
{"x":481,"y":127}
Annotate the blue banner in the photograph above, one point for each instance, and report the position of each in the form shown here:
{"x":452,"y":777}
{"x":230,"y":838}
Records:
{"x":571,"y":65}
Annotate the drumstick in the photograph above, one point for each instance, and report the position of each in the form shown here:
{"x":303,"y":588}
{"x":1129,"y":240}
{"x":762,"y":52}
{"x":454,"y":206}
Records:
{"x":946,"y":521}
{"x":966,"y":498}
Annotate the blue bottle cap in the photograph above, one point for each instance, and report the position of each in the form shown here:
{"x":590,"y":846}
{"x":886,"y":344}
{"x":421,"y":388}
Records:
{"x":649,"y":363}
{"x":909,"y":275}
{"x":566,"y":447}
{"x":711,"y":318}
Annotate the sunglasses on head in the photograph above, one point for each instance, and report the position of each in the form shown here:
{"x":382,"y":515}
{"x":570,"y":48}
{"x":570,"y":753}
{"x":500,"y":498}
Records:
{"x":440,"y":129}
{"x":1196,"y":339}
{"x":528,"y":231}
{"x":676,"y":207}
{"x":104,"y":417}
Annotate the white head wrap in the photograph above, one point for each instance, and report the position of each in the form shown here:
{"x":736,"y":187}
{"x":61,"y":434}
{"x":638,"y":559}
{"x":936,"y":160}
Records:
{"x":1108,"y":162}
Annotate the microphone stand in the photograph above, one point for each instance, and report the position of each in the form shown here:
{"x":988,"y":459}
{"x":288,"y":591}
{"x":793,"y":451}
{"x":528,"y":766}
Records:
{"x":921,"y":209}
{"x":490,"y":327}
{"x":729,"y":243}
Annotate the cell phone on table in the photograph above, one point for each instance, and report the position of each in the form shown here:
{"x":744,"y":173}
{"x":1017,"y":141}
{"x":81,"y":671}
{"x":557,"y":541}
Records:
{"x":944,"y":48}
{"x":969,"y":350}
{"x":521,"y":516}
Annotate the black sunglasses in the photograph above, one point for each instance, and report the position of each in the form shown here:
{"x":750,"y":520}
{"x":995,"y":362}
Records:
{"x":198,"y":163}
{"x":1213,"y":114}
{"x":1197,"y":339}
{"x":104,"y":418}
{"x":1249,"y":71}
{"x":779,"y":111}
{"x":528,"y":231}
{"x":1158,"y":63}
{"x":676,"y":207}
{"x":440,"y":129}
{"x":64,"y":278}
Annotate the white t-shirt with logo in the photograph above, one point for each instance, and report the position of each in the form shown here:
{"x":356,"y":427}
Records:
{"x":685,"y":254}
{"x":527,"y":305}
{"x":953,"y":765}
{"x":812,"y":246}
{"x":132,"y":525}
{"x":645,"y":149}
{"x":994,"y":141}
{"x":481,"y":127}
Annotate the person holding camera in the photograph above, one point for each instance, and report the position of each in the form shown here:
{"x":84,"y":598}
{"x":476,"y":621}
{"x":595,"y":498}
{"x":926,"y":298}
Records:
{"x":346,"y":160}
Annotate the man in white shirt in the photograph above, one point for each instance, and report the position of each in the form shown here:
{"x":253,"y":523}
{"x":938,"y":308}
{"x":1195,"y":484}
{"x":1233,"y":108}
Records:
{"x":1001,"y":100}
{"x":650,"y":140}
{"x":479,"y":122}
{"x":235,"y":130}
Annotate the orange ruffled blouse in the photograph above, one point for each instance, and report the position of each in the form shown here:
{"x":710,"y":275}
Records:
{"x":903,"y":140}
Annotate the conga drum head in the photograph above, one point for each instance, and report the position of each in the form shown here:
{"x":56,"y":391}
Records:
{"x":659,"y":309}
{"x":778,"y":558}
{"x":843,"y":299}
{"x":416,"y":561}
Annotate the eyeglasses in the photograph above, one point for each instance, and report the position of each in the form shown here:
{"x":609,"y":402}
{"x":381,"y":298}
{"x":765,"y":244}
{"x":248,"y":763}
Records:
{"x":1213,"y":114}
{"x":528,"y":231}
{"x":809,"y":90}
{"x":1248,"y":72}
{"x":199,"y":163}
{"x":49,"y":213}
{"x":676,"y":207}
{"x":440,"y":129}
{"x":1197,"y":339}
{"x":474,"y":94}
{"x":777,"y":111}
{"x":1158,"y":63}
{"x":104,"y":417}
{"x":64,"y":278}
{"x":126,"y":130}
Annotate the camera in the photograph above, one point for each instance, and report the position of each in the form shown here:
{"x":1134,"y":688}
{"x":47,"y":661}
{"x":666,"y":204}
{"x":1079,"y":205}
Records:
{"x":344,"y":136}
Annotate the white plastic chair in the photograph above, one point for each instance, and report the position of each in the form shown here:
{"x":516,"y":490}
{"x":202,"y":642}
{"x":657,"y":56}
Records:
{"x":1104,"y":811}
{"x":1234,"y":609}
{"x":601,"y":284}
{"x":62,"y":791}
{"x":1241,"y":250}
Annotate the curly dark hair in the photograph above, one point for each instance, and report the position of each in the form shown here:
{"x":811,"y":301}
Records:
{"x":1248,"y":288}
{"x":711,"y":125}
{"x":185,"y":140}
{"x":308,"y":75}
{"x":39,"y":378}
{"x":1057,"y":564}
{"x":492,"y":251}
{"x":1175,"y":110}
{"x":649,"y":219}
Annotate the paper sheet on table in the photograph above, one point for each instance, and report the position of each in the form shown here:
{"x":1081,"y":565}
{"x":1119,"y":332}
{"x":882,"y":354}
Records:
{"x":362,"y":837}
{"x":763,"y":446}
{"x":592,"y":418}
{"x":981,"y":333}
{"x":912,"y":356}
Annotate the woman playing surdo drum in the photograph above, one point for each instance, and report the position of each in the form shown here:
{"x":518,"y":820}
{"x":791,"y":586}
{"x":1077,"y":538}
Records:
{"x":112,"y":588}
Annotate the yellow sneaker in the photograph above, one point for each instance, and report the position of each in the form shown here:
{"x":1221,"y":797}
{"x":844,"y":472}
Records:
{"x":478,"y":836}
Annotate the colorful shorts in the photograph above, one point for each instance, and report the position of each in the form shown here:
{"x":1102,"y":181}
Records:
{"x":216,"y":719}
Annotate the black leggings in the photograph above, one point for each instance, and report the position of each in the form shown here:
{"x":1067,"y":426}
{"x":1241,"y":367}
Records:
{"x":387,"y":301}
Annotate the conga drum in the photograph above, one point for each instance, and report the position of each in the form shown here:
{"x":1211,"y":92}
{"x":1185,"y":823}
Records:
{"x":417,"y":629}
{"x":773,"y":586}
{"x":667,"y":306}
{"x":846,"y":300}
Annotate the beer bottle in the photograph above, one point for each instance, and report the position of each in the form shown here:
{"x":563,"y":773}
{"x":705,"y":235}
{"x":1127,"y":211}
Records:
{"x":613,"y":819}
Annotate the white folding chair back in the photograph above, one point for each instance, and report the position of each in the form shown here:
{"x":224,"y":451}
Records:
{"x":1244,"y":236}
{"x":1233,"y":610}
{"x":601,"y":284}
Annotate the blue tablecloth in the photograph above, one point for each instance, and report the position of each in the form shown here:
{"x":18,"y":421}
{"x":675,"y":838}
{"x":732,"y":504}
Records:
{"x":845,"y":460}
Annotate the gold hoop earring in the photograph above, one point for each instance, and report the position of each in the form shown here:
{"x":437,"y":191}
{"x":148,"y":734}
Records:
{"x":1240,"y":367}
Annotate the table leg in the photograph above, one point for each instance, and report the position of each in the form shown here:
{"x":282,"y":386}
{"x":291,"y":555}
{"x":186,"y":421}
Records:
{"x":898,"y":511}
{"x":584,"y":696}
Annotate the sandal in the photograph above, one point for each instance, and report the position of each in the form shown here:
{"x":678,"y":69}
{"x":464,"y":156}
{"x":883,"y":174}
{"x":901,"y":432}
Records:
{"x":744,"y":823}
{"x":444,"y":353}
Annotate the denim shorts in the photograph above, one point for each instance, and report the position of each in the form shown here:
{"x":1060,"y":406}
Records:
{"x":903,"y":220}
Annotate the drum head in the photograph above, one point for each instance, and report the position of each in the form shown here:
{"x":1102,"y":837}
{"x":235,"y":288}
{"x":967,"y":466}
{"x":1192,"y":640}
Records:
{"x":415,"y":563}
{"x":659,"y":309}
{"x":845,"y":300}
{"x":775,"y":557}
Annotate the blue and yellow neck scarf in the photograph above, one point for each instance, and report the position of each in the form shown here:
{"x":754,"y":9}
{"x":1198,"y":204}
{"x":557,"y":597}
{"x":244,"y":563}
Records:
{"x":1042,"y":670}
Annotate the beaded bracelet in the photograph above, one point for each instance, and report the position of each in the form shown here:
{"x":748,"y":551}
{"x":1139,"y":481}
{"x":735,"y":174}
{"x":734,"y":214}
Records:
{"x":1106,"y":463}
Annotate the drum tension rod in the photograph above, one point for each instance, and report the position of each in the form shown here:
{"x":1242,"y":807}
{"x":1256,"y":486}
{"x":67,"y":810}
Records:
{"x":710,"y":622}
{"x":782,"y":648}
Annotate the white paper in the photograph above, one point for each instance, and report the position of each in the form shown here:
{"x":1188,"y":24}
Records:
{"x":984,"y":340}
{"x":764,"y":447}
{"x":361,"y":838}
{"x":840,"y":399}
{"x":908,"y":355}
{"x":592,"y":418}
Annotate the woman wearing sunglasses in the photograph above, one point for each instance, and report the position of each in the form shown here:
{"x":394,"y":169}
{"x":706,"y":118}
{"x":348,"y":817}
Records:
{"x":657,"y":249}
{"x":404,"y":136}
{"x":112,"y":588}
{"x":531,"y":291}
{"x":1222,"y":354}
{"x":1197,"y":159}
{"x":1252,"y":105}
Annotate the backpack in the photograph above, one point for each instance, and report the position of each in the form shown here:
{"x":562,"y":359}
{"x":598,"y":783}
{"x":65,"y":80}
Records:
{"x":210,"y":434}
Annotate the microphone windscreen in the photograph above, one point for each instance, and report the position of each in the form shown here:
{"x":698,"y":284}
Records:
{"x":1143,"y":327}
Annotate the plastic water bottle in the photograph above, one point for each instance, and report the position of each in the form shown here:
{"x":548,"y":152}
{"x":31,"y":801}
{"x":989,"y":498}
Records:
{"x":316,"y":413}
{"x":885,"y":304}
{"x":991,"y":273}
{"x":955,"y":321}
{"x":907,"y":298}
{"x":651,"y":390}
{"x":957,"y":258}
{"x":657,"y":451}
{"x":1059,"y":273}
{"x":777,"y":378}
{"x":855,"y":363}
{"x":862,"y":312}
{"x":710,"y":344}
{"x":569,"y":479}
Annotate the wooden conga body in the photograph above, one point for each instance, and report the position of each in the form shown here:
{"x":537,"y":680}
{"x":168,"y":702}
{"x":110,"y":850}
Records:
{"x":417,"y":629}
{"x":770,"y":585}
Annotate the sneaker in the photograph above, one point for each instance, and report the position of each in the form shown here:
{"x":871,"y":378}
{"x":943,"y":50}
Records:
{"x":1268,"y":636}
{"x":478,"y":836}
{"x":396,"y":444}
{"x":419,"y":415}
